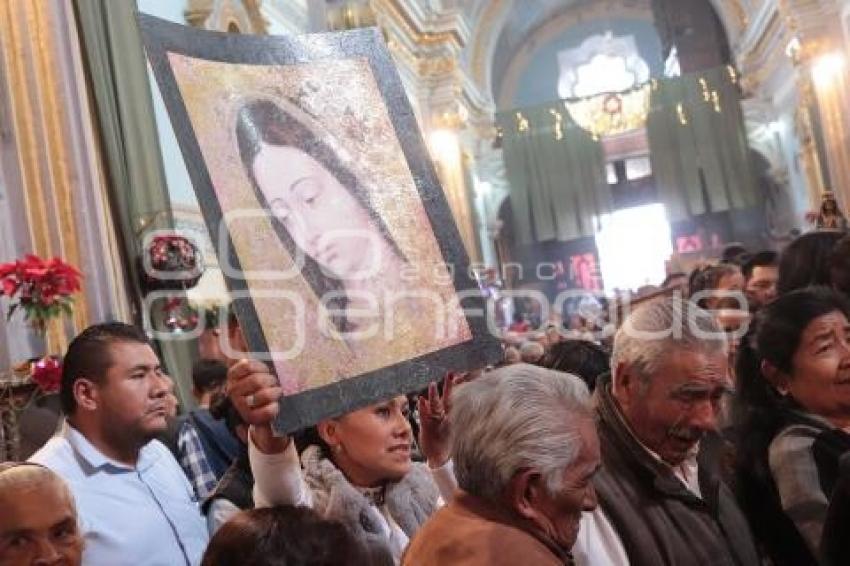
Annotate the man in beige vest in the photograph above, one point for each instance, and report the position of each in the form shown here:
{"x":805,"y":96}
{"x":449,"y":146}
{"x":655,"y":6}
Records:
{"x":525,"y":451}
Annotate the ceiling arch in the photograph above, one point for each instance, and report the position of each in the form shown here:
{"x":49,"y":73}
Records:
{"x":507,"y":30}
{"x":518,"y":51}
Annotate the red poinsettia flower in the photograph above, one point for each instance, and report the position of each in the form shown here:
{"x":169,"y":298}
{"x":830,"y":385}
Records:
{"x":7,"y":268}
{"x":47,"y":374}
{"x":42,"y":288}
{"x":34,"y":267}
{"x":9,"y":286}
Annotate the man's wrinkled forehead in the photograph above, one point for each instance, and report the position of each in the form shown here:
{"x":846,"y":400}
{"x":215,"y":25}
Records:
{"x":27,"y":492}
{"x":699,"y":370}
{"x":702,"y":363}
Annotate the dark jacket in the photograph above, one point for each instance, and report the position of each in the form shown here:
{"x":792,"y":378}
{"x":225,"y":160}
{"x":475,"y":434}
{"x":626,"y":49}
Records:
{"x":817,"y":475}
{"x":220,"y":446}
{"x":835,"y":544}
{"x":659,"y":521}
{"x":236,"y":485}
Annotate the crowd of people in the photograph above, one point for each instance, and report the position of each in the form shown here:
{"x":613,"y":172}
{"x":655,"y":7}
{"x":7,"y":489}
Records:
{"x":711,"y":428}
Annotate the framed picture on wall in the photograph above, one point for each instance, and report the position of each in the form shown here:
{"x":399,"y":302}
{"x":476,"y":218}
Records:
{"x":346,"y":269}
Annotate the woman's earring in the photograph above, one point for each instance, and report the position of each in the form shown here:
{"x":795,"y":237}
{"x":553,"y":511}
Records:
{"x":337,"y":448}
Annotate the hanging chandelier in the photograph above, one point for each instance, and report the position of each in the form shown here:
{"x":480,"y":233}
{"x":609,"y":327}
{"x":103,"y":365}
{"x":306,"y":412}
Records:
{"x":609,"y":114}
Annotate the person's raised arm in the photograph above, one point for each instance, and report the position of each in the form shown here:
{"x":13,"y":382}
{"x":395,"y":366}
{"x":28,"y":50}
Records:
{"x":434,"y":435}
{"x":255,"y":392}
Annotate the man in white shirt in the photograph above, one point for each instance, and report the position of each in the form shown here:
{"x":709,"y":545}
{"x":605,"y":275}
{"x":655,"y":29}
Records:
{"x":661,"y":498}
{"x":135,"y":504}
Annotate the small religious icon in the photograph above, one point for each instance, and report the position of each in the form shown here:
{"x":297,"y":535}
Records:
{"x":830,"y":216}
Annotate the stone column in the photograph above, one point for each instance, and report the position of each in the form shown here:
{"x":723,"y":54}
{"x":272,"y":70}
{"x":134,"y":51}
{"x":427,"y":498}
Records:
{"x":426,"y":45}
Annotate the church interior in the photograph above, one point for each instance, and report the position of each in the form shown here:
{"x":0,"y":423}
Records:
{"x":582,"y":145}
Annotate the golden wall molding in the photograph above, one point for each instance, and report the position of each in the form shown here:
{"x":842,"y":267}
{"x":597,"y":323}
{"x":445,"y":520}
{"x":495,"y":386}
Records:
{"x":775,"y":54}
{"x":443,"y":65}
{"x":817,"y":25}
{"x":427,"y":49}
{"x":220,"y":15}
{"x":398,"y":13}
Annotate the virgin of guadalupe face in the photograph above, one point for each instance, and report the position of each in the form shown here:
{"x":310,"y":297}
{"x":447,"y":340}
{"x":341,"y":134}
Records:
{"x":321,"y":215}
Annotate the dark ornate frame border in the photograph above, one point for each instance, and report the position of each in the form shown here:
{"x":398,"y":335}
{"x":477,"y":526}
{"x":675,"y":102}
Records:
{"x":304,"y":409}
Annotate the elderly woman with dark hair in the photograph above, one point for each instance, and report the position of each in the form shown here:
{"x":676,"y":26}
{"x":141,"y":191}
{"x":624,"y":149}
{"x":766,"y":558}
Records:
{"x":794,"y":413}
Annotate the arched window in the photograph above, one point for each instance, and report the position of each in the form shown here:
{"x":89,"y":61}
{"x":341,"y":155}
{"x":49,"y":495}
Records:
{"x":601,"y":64}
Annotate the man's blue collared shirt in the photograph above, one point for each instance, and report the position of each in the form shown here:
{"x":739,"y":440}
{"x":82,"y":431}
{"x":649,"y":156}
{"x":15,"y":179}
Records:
{"x":145,"y":515}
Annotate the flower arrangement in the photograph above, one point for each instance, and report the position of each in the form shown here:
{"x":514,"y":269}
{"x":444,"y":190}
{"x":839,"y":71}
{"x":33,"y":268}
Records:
{"x":47,"y":373}
{"x":173,"y":253}
{"x":171,"y":261}
{"x":43,"y":289}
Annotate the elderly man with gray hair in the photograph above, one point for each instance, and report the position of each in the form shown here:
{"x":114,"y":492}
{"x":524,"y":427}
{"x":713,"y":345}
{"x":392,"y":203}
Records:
{"x":38,"y":521}
{"x":531,"y":352}
{"x":661,"y":499}
{"x":525,"y":451}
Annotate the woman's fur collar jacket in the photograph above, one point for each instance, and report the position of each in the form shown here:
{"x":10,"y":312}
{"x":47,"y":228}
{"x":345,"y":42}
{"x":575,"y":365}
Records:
{"x":410,"y":501}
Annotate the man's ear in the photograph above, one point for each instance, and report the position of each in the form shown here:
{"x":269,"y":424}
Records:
{"x":776,"y":377}
{"x":524,"y":493}
{"x":86,"y":394}
{"x":624,"y":383}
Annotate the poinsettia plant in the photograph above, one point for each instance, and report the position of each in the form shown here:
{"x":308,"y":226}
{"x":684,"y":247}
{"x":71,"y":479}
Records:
{"x":47,"y":373}
{"x":41,"y":288}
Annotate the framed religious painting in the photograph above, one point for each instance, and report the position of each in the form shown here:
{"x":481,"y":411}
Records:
{"x":347,"y":272}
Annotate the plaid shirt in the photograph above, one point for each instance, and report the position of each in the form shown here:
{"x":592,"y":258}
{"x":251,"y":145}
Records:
{"x":194,"y":462}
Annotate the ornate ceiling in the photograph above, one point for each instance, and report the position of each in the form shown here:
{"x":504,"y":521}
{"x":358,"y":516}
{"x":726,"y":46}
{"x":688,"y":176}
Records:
{"x":506,"y":28}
